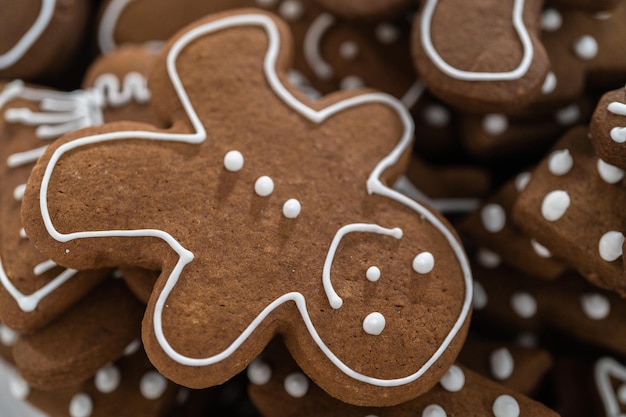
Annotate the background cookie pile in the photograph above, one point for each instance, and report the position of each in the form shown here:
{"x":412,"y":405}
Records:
{"x":312,"y":207}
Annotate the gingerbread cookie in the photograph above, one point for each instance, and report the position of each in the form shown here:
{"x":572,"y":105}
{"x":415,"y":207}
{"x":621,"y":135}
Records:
{"x":366,"y":8}
{"x":220,"y":214}
{"x":608,"y":128}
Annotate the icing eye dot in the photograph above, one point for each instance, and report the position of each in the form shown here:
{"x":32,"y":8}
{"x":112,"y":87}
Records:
{"x":291,"y":208}
{"x":586,"y":47}
{"x":495,"y":124}
{"x":487,"y":258}
{"x":291,"y":10}
{"x":387,"y":33}
{"x":264,"y":186}
{"x":436,"y":115}
{"x":551,"y":20}
{"x":560,"y":162}
{"x":348,"y":50}
{"x":596,"y":306}
{"x":152,"y":385}
{"x":610,"y":245}
{"x":351,"y":82}
{"x":479,"y":298}
{"x":540,"y":250}
{"x":522,"y":180}
{"x":453,"y":380}
{"x":549,"y":84}
{"x":296,"y":384}
{"x":554,"y":205}
{"x":501,"y":363}
{"x":233,"y":161}
{"x":524,"y":304}
{"x":567,"y":116}
{"x":423,"y":263}
{"x":107,"y":379}
{"x":8,"y":336}
{"x":259,"y":372}
{"x":374,"y":323}
{"x":81,"y":405}
{"x":493,"y":218}
{"x":18,"y":388}
{"x":434,"y":410}
{"x":609,"y":173}
{"x":505,"y":406}
{"x":373,"y":273}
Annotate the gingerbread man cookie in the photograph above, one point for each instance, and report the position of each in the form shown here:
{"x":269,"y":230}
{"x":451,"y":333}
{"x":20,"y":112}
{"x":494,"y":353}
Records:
{"x":608,"y":128}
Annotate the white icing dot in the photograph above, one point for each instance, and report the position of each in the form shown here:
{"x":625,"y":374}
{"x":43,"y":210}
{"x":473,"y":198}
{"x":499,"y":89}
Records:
{"x":108,"y":379}
{"x":259,"y":372}
{"x":152,"y":385}
{"x":495,"y":124}
{"x":291,"y":208}
{"x":348,"y":50}
{"x":182,"y":396}
{"x":291,"y":10}
{"x":423,"y":263}
{"x":233,"y":161}
{"x":549,"y":84}
{"x":618,"y":134}
{"x":488,"y":259}
{"x":609,"y":173}
{"x":373,"y":273}
{"x":453,"y":380}
{"x":18,"y":192}
{"x":505,"y":406}
{"x":479,"y":298}
{"x":374,"y":323}
{"x":296,"y":384}
{"x":132,"y":347}
{"x":8,"y":336}
{"x":502,"y":364}
{"x":528,"y":340}
{"x":610,"y":245}
{"x":493,"y":217}
{"x":387,"y":33}
{"x":351,"y":82}
{"x":586,"y":47}
{"x":434,"y":410}
{"x":524,"y":304}
{"x":81,"y":405}
{"x":596,"y":306}
{"x":554,"y":205}
{"x":560,"y":162}
{"x":551,"y":20}
{"x":18,"y":387}
{"x":23,"y":233}
{"x":264,"y":186}
{"x":602,"y":15}
{"x":567,"y":116}
{"x":540,"y":250}
{"x":267,"y":3}
{"x":621,"y":394}
{"x":436,"y":115}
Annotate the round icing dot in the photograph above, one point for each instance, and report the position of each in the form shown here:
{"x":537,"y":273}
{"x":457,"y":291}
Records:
{"x":522,"y":180}
{"x":610,"y":246}
{"x":528,"y":340}
{"x":493,"y":217}
{"x":554,"y":205}
{"x":567,"y":116}
{"x":602,"y":15}
{"x":264,"y":186}
{"x":621,"y":394}
{"x":152,"y":385}
{"x":551,"y":20}
{"x":233,"y":161}
{"x":495,"y":124}
{"x":182,"y":396}
{"x":596,"y":306}
{"x":501,"y":362}
{"x":436,"y":115}
{"x":505,"y":406}
{"x":434,"y":410}
{"x":8,"y":336}
{"x":609,"y":173}
{"x":291,"y":208}
{"x":348,"y":50}
{"x":373,"y":273}
{"x":488,"y":259}
{"x":549,"y":84}
{"x":259,"y":372}
{"x":108,"y":379}
{"x":423,"y":263}
{"x":296,"y":384}
{"x":453,"y":380}
{"x":374,"y":323}
{"x":560,"y":162}
{"x":81,"y":405}
{"x":266,"y":3}
{"x":539,"y":249}
{"x":524,"y":304}
{"x":586,"y":47}
{"x":291,"y":10}
{"x":618,"y":134}
{"x":387,"y":33}
{"x":351,"y":82}
{"x":132,"y":347}
{"x":18,"y":387}
{"x":479,"y":297}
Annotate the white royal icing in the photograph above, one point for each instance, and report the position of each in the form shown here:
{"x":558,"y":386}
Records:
{"x":540,"y":250}
{"x":605,"y":370}
{"x":373,"y":273}
{"x":351,"y":82}
{"x":107,"y":379}
{"x":436,"y":115}
{"x":264,"y":186}
{"x":596,"y":306}
{"x":522,"y":180}
{"x":18,"y":192}
{"x":296,"y":384}
{"x":81,"y":405}
{"x":132,"y":347}
{"x":609,"y":173}
{"x":112,"y":13}
{"x":560,"y":162}
{"x":233,"y":161}
{"x":442,"y":205}
{"x":292,"y":208}
{"x":567,"y":116}
{"x":524,"y":304}
{"x":488,"y":259}
{"x":586,"y":47}
{"x":374,"y":324}
{"x":618,"y":134}
{"x":480,"y":296}
{"x":259,"y":372}
{"x":387,"y":33}
{"x":8,"y":336}
{"x":554,"y":205}
{"x":291,"y":10}
{"x":348,"y":50}
{"x":501,"y":363}
{"x":434,"y":410}
{"x":443,"y":66}
{"x":506,"y":406}
{"x":374,"y":186}
{"x":152,"y":385}
{"x":495,"y":124}
{"x":311,"y":46}
{"x":423,"y":263}
{"x":18,"y":387}
{"x":549,"y":84}
{"x":493,"y":217}
{"x":610,"y":245}
{"x":551,"y":20}
{"x":453,"y":380}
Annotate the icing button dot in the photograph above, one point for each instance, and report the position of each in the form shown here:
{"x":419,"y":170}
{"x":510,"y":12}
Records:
{"x":291,"y":208}
{"x":540,"y":250}
{"x":549,"y":84}
{"x":291,"y":10}
{"x":8,"y":336}
{"x":453,"y":380}
{"x":351,"y":82}
{"x":522,"y":180}
{"x":387,"y":33}
{"x":505,"y":406}
{"x":493,"y":217}
{"x":554,"y":205}
{"x":259,"y":372}
{"x":81,"y":405}
{"x":527,"y":340}
{"x":586,"y":47}
{"x":423,"y":263}
{"x":495,"y":124}
{"x":264,"y":186}
{"x":18,"y":388}
{"x":610,"y":245}
{"x":569,"y":115}
{"x":479,"y":297}
{"x":132,"y":347}
{"x":434,"y":410}
{"x":296,"y":384}
{"x":488,"y":259}
{"x":233,"y":161}
{"x":373,"y":273}
{"x":374,"y":324}
{"x":618,"y":134}
{"x":609,"y":173}
{"x":596,"y":306}
{"x":436,"y":115}
{"x":348,"y":50}
{"x":152,"y":385}
{"x":107,"y":379}
{"x":551,"y":20}
{"x":524,"y":304}
{"x":560,"y":162}
{"x":502,"y":364}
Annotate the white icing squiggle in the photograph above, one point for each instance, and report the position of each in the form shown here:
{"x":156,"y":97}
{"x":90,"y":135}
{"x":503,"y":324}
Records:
{"x":311,"y":46}
{"x":604,"y":369}
{"x":618,"y":134}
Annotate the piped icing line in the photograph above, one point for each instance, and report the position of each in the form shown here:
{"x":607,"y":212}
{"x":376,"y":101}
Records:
{"x":413,"y":94}
{"x":374,"y":186}
{"x":311,"y":46}
{"x":604,"y":369}
{"x":17,"y":51}
{"x":443,"y":205}
{"x":106,"y":30}
{"x":333,"y":298}
{"x":43,"y":267}
{"x":431,"y":51}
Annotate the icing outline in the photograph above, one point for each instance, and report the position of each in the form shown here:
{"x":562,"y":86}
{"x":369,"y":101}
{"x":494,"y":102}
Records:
{"x":603,"y":369}
{"x":112,"y":13}
{"x":374,"y":186}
